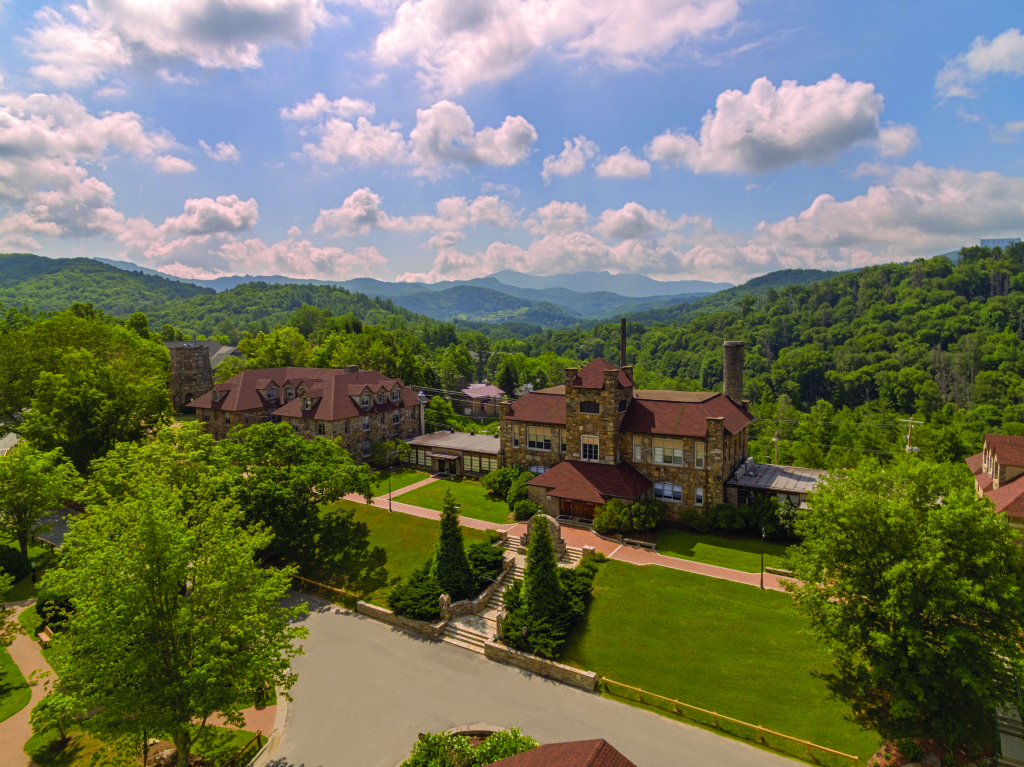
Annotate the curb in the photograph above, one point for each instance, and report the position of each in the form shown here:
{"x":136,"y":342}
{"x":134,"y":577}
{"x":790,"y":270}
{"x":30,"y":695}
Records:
{"x":274,"y":739}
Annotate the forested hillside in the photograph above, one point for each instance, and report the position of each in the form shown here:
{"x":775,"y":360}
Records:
{"x":47,"y":284}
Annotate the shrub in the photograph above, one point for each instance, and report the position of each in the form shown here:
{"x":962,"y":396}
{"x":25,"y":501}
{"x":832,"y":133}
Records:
{"x":694,"y":520}
{"x":493,"y":536}
{"x":502,"y":745}
{"x":610,"y":517}
{"x":53,"y":610}
{"x":450,"y":750}
{"x":524,"y":510}
{"x":499,"y":482}
{"x":13,"y":563}
{"x":484,"y":561}
{"x":417,"y":596}
{"x":726,"y":518}
{"x":518,"y":492}
{"x":643,"y":515}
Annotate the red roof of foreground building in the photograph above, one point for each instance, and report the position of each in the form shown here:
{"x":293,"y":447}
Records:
{"x":336,"y":392}
{"x":591,"y":482}
{"x":591,"y":375}
{"x":682,"y":419}
{"x":577,"y":753}
{"x":1009,"y":450}
{"x":1009,"y":498}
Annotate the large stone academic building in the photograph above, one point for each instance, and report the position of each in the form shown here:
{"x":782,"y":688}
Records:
{"x":597,"y":437}
{"x":357,"y":407}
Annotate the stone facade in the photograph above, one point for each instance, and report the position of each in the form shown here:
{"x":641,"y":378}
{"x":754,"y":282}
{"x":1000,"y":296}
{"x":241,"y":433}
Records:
{"x":191,"y":374}
{"x":611,"y":402}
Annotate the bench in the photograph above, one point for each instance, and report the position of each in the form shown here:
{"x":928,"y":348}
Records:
{"x":640,"y":544}
{"x":45,"y":636}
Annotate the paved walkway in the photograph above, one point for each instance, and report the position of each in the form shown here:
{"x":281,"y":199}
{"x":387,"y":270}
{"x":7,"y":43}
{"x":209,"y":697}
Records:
{"x":373,"y":689}
{"x":15,"y":731}
{"x":579,"y":538}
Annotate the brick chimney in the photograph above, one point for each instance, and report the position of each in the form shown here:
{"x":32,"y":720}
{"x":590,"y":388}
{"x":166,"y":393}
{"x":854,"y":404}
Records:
{"x":733,"y":371}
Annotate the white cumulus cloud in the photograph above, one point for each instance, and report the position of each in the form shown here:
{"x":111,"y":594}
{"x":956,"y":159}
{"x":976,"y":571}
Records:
{"x":445,"y":135}
{"x":623,"y":164}
{"x":223,"y":152}
{"x":81,"y":45}
{"x":458,"y":43}
{"x":167,"y":163}
{"x":1004,"y":54}
{"x":571,"y":160}
{"x":557,"y":218}
{"x":769,"y":128}
{"x":320,"y":105}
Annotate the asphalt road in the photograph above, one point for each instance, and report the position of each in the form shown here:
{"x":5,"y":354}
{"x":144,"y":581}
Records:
{"x":365,"y":691}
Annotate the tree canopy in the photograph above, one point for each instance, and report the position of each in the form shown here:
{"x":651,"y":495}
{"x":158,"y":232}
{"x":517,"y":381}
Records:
{"x":32,"y":484}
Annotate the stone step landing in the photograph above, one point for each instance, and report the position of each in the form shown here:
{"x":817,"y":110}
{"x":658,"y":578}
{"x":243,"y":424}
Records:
{"x":463,"y":636}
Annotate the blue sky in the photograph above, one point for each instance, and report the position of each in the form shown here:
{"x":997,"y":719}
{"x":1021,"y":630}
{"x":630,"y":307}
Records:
{"x":448,"y":139}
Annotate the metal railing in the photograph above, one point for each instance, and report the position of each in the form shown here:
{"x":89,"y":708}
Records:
{"x":680,"y":709}
{"x":257,"y":738}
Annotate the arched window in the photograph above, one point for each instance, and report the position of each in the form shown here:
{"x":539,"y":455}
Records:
{"x":589,"y":407}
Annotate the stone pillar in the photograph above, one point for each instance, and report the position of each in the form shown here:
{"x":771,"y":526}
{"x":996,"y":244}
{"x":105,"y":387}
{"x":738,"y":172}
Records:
{"x":714,"y":460}
{"x":732,"y":385}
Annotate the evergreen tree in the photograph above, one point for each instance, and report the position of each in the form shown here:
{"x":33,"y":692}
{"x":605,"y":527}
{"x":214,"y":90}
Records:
{"x":507,"y":380}
{"x":542,"y":590}
{"x":451,"y":567}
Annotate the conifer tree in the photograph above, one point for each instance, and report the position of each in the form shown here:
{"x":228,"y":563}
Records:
{"x":451,"y":567}
{"x":542,"y":590}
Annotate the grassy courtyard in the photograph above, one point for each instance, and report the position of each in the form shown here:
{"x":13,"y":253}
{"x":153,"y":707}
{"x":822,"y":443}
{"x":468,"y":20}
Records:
{"x":742,"y":554}
{"x":399,"y":478}
{"x":471,"y":496}
{"x":407,"y":541}
{"x":14,"y":690}
{"x":718,"y":645}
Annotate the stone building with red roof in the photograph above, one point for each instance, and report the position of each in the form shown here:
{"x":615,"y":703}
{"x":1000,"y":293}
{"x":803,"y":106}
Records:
{"x":359,"y":407}
{"x":999,"y":475}
{"x":597,"y":437}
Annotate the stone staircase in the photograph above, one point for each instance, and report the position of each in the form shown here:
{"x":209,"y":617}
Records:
{"x":1011,"y":736}
{"x":570,"y":558}
{"x":466,"y":635}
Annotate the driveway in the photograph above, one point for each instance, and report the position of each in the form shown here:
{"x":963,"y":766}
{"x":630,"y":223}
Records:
{"x":365,"y":691}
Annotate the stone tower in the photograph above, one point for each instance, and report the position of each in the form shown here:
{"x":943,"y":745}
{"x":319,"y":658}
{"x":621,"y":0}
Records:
{"x":732,"y":385}
{"x":607,"y":409}
{"x":191,"y":373}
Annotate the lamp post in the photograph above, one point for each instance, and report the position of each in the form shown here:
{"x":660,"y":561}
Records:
{"x":391,"y":455}
{"x":762,"y":559}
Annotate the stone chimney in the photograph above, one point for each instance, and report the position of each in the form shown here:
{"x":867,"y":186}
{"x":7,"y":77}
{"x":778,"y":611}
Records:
{"x":622,"y":342}
{"x":732,"y":384}
{"x":570,"y":375}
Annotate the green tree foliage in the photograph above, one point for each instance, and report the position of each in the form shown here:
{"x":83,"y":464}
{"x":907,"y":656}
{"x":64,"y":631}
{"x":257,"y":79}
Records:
{"x":32,"y":484}
{"x":506,"y":380}
{"x":499,"y":482}
{"x":56,"y":711}
{"x":439,"y":414}
{"x":139,"y":323}
{"x":385,"y":454}
{"x":9,"y":628}
{"x":161,"y":592}
{"x":642,"y":515}
{"x":450,"y":750}
{"x":284,"y":347}
{"x":286,"y":478}
{"x":417,"y":596}
{"x":542,"y":591}
{"x":455,"y":364}
{"x":450,"y":566}
{"x":917,"y":590}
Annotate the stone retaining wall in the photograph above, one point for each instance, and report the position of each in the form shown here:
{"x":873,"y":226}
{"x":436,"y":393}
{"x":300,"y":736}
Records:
{"x":473,"y":606}
{"x":586,"y":680}
{"x":432,"y":630}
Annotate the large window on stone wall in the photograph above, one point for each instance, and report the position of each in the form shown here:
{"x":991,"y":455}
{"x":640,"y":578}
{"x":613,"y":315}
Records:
{"x":698,"y":496}
{"x":590,"y":448}
{"x":538,"y":437}
{"x":638,"y":451}
{"x":668,"y":492}
{"x":320,"y":429}
{"x":698,"y":455}
{"x":366,"y":447}
{"x":668,"y":451}
{"x":586,"y":406}
{"x":366,"y":423}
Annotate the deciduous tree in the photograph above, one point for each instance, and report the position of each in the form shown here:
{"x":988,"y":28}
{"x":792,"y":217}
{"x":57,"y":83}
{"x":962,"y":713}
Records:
{"x":916,"y":587}
{"x":32,"y":484}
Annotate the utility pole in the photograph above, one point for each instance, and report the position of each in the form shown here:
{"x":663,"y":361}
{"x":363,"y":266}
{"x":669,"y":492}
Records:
{"x":910,"y":432}
{"x":775,"y":439}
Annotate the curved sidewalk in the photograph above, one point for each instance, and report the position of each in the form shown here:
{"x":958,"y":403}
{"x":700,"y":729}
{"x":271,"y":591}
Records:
{"x":16,"y":730}
{"x":578,"y":538}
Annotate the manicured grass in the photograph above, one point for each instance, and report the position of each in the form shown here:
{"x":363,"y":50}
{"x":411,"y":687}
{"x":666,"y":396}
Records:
{"x":407,"y":540}
{"x":14,"y":690}
{"x":742,"y":554}
{"x":474,"y":501}
{"x":399,"y":478}
{"x":722,"y":646}
{"x":218,"y":745}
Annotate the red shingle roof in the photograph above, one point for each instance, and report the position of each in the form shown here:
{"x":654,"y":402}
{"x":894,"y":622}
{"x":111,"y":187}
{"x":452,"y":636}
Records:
{"x":539,"y":408}
{"x":683,"y":419}
{"x":336,"y":392}
{"x":1009,"y":498}
{"x":974,"y":462}
{"x":592,"y":482}
{"x":591,"y":375}
{"x":577,"y":753}
{"x":484,"y":390}
{"x":1009,"y":450}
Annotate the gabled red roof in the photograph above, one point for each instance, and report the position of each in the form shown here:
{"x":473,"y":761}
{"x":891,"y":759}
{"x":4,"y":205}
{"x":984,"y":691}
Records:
{"x":974,"y":462}
{"x":1009,"y":498}
{"x":1009,"y":450}
{"x":478,"y":391}
{"x":591,"y":375}
{"x":683,"y":419}
{"x":592,"y":482}
{"x":577,"y":753}
{"x":335,"y":392}
{"x":539,"y":408}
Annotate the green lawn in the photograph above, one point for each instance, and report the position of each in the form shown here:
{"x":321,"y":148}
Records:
{"x":743,"y":554}
{"x":14,"y":690}
{"x":722,"y":646}
{"x":474,"y":501}
{"x":219,"y":744}
{"x":407,"y":540}
{"x":399,"y":478}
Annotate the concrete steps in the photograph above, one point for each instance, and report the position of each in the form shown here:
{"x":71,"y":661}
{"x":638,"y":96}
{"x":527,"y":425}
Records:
{"x":458,"y":634}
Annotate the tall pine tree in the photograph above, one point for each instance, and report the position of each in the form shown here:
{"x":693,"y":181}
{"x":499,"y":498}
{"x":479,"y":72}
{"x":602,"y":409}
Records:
{"x":542,"y":590}
{"x":451,"y":567}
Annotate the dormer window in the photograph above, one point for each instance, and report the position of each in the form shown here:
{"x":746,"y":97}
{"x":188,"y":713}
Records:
{"x":396,"y":395}
{"x":271,"y":393}
{"x":366,"y":400}
{"x":380,"y":398}
{"x":289,"y":393}
{"x":589,"y":407}
{"x":306,"y":403}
